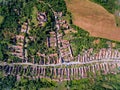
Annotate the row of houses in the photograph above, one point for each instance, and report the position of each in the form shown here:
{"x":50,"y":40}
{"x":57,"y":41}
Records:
{"x":61,"y":74}
{"x":18,"y":49}
{"x":102,"y":54}
{"x":45,"y":59}
{"x":67,"y":56}
{"x":64,"y":47}
{"x":56,"y":40}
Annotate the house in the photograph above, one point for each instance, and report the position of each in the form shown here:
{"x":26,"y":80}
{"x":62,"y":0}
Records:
{"x":24,"y":27}
{"x":58,"y":14}
{"x":20,"y":38}
{"x":41,"y":17}
{"x":58,"y":26}
{"x":51,"y":41}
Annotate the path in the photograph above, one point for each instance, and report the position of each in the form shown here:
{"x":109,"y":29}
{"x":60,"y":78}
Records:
{"x":117,"y":60}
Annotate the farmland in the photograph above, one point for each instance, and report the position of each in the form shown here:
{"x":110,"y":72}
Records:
{"x":93,"y":18}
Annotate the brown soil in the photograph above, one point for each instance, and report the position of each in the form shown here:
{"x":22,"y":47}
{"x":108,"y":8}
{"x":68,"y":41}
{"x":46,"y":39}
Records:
{"x":93,"y":18}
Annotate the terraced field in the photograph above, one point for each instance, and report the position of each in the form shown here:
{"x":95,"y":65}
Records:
{"x":93,"y":18}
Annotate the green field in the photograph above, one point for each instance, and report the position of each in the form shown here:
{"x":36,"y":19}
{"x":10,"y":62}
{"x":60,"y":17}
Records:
{"x":117,"y":21}
{"x":34,"y":16}
{"x":102,"y":82}
{"x":117,"y":17}
{"x":1,"y":19}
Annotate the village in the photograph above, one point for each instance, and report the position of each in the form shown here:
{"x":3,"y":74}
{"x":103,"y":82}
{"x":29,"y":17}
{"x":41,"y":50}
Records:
{"x":65,"y":53}
{"x":61,"y":65}
{"x":59,"y":45}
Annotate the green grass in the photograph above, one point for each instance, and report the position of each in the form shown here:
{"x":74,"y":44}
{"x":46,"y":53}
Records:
{"x":47,"y":89}
{"x":68,"y":36}
{"x":117,"y":18}
{"x":1,"y":19}
{"x":67,"y":17}
{"x":60,"y":86}
{"x":74,"y":48}
{"x":107,"y":86}
{"x":34,"y":16}
{"x":117,"y":21}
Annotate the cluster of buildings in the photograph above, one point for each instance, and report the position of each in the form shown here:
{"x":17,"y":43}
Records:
{"x":64,"y":47}
{"x":56,"y":39}
{"x":66,"y":54}
{"x":60,"y":22}
{"x":18,"y":49}
{"x":63,"y":24}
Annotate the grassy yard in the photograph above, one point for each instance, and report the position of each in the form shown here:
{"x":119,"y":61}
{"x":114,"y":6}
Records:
{"x":60,"y":86}
{"x":34,"y":16}
{"x":117,"y":21}
{"x":117,"y":11}
{"x":67,"y":17}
